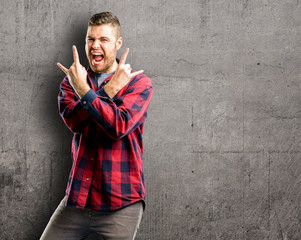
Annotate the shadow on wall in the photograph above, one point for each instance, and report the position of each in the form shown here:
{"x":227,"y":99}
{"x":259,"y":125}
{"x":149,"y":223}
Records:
{"x":73,"y":34}
{"x":76,"y":36}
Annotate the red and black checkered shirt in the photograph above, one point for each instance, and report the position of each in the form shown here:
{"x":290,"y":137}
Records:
{"x":107,"y":148}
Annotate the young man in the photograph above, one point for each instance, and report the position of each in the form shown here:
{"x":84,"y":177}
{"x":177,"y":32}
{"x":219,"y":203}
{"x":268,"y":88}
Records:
{"x":105,"y":107}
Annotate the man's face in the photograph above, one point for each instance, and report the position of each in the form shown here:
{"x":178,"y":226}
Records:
{"x":101,"y":48}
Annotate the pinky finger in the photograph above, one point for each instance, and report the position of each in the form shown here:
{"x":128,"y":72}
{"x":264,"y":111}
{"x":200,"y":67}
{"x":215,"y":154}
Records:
{"x":136,"y":73}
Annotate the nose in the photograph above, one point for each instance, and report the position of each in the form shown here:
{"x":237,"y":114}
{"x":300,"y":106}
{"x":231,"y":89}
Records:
{"x":96,"y":44}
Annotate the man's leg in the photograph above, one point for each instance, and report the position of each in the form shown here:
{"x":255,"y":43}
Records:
{"x":118,"y":225}
{"x":67,"y":223}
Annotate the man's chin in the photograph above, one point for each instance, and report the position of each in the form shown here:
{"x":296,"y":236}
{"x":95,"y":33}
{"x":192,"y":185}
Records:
{"x":97,"y":69}
{"x":102,"y":67}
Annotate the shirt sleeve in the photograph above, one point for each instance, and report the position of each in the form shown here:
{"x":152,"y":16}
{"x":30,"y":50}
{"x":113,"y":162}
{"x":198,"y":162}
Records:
{"x":125,"y":112}
{"x":70,"y":108}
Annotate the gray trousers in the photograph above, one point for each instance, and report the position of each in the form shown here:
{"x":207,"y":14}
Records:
{"x":74,"y":224}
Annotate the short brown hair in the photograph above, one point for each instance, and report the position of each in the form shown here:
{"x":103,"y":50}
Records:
{"x":106,"y":18}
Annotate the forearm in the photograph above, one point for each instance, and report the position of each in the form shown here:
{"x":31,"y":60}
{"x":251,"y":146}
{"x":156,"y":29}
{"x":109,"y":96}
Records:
{"x":121,"y":116}
{"x":111,"y":89}
{"x":70,"y":108}
{"x":81,"y":90}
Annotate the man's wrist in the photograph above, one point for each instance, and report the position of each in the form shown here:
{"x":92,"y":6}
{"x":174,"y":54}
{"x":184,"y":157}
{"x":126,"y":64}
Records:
{"x":111,"y":89}
{"x":81,"y":91}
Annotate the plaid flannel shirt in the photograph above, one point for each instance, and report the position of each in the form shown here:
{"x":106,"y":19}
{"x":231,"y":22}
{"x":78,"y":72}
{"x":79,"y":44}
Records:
{"x":107,"y":148}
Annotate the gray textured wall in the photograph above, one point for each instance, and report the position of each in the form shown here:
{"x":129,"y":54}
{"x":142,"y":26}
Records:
{"x":222,"y":142}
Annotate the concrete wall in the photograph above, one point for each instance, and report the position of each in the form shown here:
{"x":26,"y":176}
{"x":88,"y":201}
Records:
{"x":222,"y":142}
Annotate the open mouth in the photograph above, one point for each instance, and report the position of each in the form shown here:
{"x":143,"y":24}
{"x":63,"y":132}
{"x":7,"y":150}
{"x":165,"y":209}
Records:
{"x":97,"y":58}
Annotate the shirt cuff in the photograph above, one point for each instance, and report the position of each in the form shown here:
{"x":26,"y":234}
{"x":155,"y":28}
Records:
{"x":89,"y":97}
{"x":103,"y":93}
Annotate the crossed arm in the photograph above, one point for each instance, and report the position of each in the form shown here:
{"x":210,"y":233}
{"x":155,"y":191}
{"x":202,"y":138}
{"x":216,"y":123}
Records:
{"x":79,"y":104}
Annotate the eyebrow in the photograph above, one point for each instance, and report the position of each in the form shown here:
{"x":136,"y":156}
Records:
{"x":89,"y":36}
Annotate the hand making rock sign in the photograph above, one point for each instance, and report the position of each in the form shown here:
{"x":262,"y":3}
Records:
{"x":77,"y":75}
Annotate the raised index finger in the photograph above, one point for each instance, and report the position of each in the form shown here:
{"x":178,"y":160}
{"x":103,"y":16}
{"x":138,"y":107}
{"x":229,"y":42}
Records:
{"x":75,"y":54}
{"x":123,"y":58}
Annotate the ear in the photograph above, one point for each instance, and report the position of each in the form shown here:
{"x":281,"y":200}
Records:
{"x":119,"y":43}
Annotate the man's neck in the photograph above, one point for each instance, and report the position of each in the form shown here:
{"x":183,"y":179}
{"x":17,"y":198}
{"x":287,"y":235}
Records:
{"x":112,"y":68}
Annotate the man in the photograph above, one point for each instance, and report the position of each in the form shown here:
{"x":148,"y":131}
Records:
{"x":105,"y":107}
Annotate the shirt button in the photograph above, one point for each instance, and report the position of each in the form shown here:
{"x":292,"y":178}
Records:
{"x":87,"y":179}
{"x":84,"y":102}
{"x":92,"y":159}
